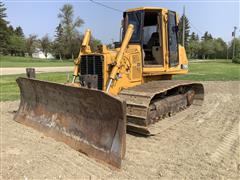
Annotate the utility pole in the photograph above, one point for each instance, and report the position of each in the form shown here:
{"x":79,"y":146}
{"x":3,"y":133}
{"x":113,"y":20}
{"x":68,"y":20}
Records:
{"x":227,"y":51}
{"x":183,"y":32}
{"x":234,"y":35}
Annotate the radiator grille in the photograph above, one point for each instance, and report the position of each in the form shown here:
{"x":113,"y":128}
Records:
{"x":92,"y":64}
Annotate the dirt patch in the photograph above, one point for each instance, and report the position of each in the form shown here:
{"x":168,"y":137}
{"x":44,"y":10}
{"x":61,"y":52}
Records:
{"x":201,"y":142}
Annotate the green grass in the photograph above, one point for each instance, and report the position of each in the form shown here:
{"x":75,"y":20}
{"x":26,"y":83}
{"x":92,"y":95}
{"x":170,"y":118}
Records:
{"x":199,"y":71}
{"x":11,"y":61}
{"x":221,"y":70}
{"x":9,"y":90}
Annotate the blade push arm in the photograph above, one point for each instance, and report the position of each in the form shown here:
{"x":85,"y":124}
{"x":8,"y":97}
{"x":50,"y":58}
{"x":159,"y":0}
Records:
{"x":119,"y":57}
{"x":85,"y":48}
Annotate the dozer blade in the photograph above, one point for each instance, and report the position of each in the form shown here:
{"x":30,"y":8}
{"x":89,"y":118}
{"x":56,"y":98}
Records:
{"x":89,"y":121}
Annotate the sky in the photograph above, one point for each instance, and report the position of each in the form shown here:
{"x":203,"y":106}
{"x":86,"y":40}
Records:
{"x":39,"y":17}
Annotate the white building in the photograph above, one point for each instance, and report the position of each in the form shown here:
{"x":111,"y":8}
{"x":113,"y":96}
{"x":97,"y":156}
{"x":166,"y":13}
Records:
{"x":39,"y":54}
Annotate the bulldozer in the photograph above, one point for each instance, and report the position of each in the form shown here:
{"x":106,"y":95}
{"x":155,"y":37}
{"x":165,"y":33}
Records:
{"x":117,"y":90}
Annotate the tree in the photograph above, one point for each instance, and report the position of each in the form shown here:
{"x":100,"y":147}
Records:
{"x":194,"y":37}
{"x":4,"y":36}
{"x":69,"y":26}
{"x":187,"y":30}
{"x":207,"y":46}
{"x":220,"y":48}
{"x":194,"y":46}
{"x":237,"y":50}
{"x":16,"y":45}
{"x":207,"y":36}
{"x":94,"y":43}
{"x":16,"y":41}
{"x":3,"y":14}
{"x":31,"y":43}
{"x":10,"y":30}
{"x":207,"y":49}
{"x":58,"y":44}
{"x":19,"y":31}
{"x":45,"y":44}
{"x":76,"y":44}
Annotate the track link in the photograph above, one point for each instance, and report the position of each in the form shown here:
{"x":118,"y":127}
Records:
{"x":150,"y":102}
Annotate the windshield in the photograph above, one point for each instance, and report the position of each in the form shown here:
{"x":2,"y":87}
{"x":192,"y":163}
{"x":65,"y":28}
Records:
{"x":134,"y":18}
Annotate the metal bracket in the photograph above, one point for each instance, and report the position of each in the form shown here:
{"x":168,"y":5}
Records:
{"x":89,"y":81}
{"x":31,"y":73}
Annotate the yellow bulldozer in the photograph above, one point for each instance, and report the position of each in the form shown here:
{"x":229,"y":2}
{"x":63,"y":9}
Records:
{"x":127,"y":88}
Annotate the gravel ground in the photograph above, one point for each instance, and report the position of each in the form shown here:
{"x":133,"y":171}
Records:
{"x":197,"y":143}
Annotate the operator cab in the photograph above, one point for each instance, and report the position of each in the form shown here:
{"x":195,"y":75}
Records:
{"x":148,"y":33}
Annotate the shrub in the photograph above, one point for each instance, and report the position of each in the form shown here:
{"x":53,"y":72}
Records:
{"x":236,"y":60}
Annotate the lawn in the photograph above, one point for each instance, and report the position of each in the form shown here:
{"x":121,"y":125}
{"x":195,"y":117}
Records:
{"x":219,"y":70}
{"x":9,"y":90}
{"x":199,"y":71}
{"x":11,"y":61}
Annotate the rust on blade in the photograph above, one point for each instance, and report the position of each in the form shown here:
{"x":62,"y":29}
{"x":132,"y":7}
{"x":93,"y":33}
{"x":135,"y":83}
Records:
{"x":89,"y":121}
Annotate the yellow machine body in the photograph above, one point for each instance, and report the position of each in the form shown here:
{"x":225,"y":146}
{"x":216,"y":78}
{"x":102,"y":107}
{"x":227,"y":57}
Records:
{"x":133,"y":69}
{"x":113,"y":90}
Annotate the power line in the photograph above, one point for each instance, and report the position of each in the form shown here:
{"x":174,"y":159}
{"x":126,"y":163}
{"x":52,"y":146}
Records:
{"x":106,"y":6}
{"x":118,"y":10}
{"x":200,"y":32}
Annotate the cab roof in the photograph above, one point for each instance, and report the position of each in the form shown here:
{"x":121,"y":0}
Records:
{"x":144,"y":8}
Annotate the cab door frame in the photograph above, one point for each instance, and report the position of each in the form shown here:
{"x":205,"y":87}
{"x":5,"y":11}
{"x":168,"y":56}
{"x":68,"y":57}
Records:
{"x":173,"y":49}
{"x":158,"y":69}
{"x":160,"y":32}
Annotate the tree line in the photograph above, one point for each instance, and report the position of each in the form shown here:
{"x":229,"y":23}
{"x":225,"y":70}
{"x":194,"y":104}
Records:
{"x":206,"y":46}
{"x":64,"y":45}
{"x":67,"y":39}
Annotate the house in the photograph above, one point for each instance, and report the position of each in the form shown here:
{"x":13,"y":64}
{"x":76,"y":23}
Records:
{"x":39,"y":54}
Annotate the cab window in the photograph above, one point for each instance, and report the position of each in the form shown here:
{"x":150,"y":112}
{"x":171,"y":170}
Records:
{"x":133,"y":18}
{"x":152,"y":49}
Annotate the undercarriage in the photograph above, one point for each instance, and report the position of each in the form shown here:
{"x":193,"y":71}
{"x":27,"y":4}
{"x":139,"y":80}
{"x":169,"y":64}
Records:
{"x":153,"y":101}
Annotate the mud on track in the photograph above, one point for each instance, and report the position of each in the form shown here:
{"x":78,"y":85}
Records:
{"x":197,"y":143}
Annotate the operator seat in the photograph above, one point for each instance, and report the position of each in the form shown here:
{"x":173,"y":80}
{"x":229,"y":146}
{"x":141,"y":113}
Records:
{"x":153,"y":41}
